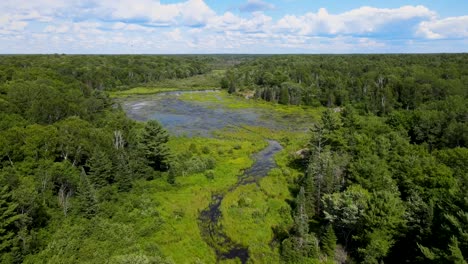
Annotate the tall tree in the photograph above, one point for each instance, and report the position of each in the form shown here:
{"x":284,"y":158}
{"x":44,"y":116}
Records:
{"x":153,"y":145}
{"x":8,"y":217}
{"x":88,"y":202}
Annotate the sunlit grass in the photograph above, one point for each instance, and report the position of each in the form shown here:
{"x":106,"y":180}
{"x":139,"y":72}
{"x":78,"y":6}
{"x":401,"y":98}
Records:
{"x":223,"y":99}
{"x":180,"y":205}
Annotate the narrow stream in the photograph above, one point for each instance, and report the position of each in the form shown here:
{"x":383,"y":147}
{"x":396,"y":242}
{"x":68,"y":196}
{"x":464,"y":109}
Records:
{"x":211,"y":230}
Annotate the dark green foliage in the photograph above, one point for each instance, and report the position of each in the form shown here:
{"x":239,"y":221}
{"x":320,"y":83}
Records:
{"x":301,"y":218}
{"x":300,"y":249}
{"x":328,"y":242}
{"x":100,"y":169}
{"x":123,"y":176}
{"x":103,"y":72}
{"x":380,"y":82}
{"x":206,"y":150}
{"x":86,"y":194}
{"x":8,"y":217}
{"x":387,"y":169}
{"x":303,"y":246}
{"x":400,"y":202}
{"x":153,"y":145}
{"x":65,"y":149}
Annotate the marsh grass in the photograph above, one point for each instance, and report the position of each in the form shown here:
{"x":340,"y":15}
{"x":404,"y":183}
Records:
{"x":250,"y":212}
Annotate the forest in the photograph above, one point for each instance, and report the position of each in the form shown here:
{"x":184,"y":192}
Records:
{"x":373,"y":164}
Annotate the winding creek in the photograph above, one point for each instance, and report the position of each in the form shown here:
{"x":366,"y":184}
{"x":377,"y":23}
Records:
{"x":209,"y":218}
{"x":182,"y":117}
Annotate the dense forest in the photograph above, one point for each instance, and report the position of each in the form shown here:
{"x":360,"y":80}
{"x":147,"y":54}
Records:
{"x":63,"y":142}
{"x":386,"y":176}
{"x":383,"y":176}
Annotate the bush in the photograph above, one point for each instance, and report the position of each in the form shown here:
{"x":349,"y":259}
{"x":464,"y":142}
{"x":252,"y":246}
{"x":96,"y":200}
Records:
{"x":209,"y":175}
{"x":205,"y":150}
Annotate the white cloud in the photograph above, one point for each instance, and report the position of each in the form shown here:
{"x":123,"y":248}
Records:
{"x":10,"y":25}
{"x":149,"y":10}
{"x":196,"y":12}
{"x":257,"y":22}
{"x":357,"y":21}
{"x":40,"y":10}
{"x":452,"y":27}
{"x":149,"y":26}
{"x":191,"y":12}
{"x":174,"y":35}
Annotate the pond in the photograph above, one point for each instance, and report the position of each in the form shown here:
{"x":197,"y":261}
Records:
{"x":201,"y":118}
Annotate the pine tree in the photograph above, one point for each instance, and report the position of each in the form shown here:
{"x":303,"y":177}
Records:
{"x":310,"y":191}
{"x":8,"y":216}
{"x":153,"y":144}
{"x":123,"y":174}
{"x":456,"y":255}
{"x":329,"y":242}
{"x":87,"y":197}
{"x":301,"y":219}
{"x":100,"y":166}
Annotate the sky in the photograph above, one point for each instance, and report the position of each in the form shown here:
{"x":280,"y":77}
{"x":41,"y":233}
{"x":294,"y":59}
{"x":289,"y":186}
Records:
{"x":247,"y":26}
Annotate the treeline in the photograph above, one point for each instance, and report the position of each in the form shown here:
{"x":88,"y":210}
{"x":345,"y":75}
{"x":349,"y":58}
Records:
{"x":103,"y":72}
{"x":431,"y":88}
{"x":67,"y":151}
{"x":385,"y":177}
{"x":370,"y":196}
{"x":376,"y":83}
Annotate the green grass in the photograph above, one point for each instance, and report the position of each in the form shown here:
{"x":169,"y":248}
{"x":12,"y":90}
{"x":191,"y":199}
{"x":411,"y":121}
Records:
{"x":179,"y":205}
{"x":237,"y":102}
{"x":252,"y":211}
{"x":140,"y":91}
{"x":250,"y":224}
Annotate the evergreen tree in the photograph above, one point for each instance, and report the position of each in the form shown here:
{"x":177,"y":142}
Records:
{"x":8,"y":217}
{"x":329,"y":242}
{"x":123,"y":174}
{"x":87,"y":197}
{"x":456,"y":255}
{"x":301,"y":219}
{"x":153,"y":144}
{"x":100,"y":166}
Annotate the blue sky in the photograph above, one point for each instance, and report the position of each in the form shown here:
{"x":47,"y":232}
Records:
{"x":248,"y":26}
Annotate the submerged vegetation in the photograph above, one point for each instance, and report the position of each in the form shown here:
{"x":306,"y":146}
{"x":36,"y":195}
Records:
{"x":300,"y":159}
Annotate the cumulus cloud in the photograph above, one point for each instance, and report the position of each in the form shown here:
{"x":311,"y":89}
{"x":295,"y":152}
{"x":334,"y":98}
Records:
{"x":149,"y":26}
{"x":10,"y":25}
{"x":363,"y":20}
{"x":189,"y":13}
{"x":452,"y":27}
{"x":174,"y":35}
{"x":256,"y":6}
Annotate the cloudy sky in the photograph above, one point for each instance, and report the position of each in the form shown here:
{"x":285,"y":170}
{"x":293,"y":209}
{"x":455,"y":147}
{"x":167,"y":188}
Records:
{"x":226,"y":26}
